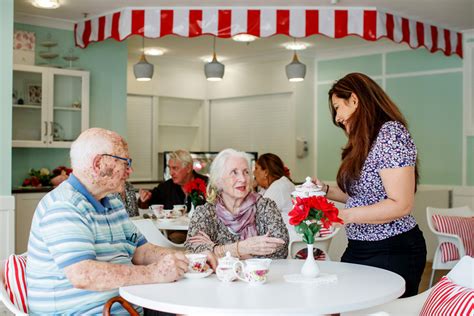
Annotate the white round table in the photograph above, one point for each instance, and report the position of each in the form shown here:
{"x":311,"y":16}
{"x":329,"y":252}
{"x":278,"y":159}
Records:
{"x":357,"y":287}
{"x":180,"y":223}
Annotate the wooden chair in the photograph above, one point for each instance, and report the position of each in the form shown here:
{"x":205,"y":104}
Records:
{"x":438,"y":264}
{"x":125,"y":304}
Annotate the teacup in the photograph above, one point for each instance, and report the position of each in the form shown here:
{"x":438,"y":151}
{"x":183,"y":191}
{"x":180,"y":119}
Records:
{"x":179,"y":209}
{"x":197,"y":262}
{"x":157,"y":209}
{"x":168,"y":213}
{"x":254,"y":271}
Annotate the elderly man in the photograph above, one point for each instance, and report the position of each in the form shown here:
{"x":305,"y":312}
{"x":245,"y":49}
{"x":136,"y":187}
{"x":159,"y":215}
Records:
{"x":171,"y":192}
{"x":82,"y":245}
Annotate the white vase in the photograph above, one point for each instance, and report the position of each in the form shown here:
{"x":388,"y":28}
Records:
{"x":191,"y":212}
{"x":310,"y":268}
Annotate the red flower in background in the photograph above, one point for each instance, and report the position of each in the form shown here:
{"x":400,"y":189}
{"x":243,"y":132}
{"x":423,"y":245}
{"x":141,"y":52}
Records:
{"x":196,"y":190}
{"x":309,"y":214}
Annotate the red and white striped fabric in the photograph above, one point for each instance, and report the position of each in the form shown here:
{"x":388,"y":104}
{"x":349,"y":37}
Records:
{"x":15,"y":281}
{"x":447,"y":298}
{"x":457,"y":225}
{"x":368,"y":23}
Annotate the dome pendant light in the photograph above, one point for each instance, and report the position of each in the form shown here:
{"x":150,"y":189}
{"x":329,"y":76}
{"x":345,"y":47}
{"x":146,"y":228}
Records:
{"x":214,"y":70}
{"x":143,"y":70}
{"x":295,"y":71}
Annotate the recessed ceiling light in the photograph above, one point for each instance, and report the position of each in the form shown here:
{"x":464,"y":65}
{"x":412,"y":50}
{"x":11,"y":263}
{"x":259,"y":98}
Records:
{"x":244,"y":38}
{"x":46,"y":4}
{"x":296,"y":45}
{"x":154,"y":51}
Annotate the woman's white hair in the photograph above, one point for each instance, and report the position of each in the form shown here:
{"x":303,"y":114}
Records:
{"x":217,"y":171}
{"x":89,"y":144}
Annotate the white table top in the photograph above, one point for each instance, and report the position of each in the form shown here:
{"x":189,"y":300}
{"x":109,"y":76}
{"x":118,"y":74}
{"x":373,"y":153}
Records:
{"x":180,"y":223}
{"x":357,"y":287}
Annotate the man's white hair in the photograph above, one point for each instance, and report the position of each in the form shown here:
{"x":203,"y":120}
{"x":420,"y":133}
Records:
{"x":182,"y":156}
{"x":88,"y":145}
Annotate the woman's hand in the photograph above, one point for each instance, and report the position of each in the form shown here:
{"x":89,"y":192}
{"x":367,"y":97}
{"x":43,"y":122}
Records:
{"x":319,"y":183}
{"x":200,"y":238}
{"x":260,"y":245}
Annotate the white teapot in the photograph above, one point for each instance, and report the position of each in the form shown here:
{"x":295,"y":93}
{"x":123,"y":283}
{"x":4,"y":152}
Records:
{"x":308,"y":188}
{"x":225,"y":268}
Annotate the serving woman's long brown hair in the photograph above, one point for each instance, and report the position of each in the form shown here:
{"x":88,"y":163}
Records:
{"x":374,"y":109}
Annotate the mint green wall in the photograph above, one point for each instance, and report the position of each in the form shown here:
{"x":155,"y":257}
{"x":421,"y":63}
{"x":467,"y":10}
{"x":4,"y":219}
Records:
{"x":432,"y":105}
{"x":470,"y":160}
{"x":107,"y":63}
{"x":6,"y":44}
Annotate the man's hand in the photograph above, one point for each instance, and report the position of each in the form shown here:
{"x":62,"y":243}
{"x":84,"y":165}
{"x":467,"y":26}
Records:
{"x":169,"y":268}
{"x":145,"y":195}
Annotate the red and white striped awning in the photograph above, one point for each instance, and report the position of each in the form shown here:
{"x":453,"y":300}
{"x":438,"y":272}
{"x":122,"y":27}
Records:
{"x":368,"y":23}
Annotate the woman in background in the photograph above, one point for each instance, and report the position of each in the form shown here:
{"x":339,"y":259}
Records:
{"x":274,"y":180}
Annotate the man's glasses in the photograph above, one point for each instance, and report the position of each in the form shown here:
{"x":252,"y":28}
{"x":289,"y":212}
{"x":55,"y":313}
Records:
{"x":128,"y":160}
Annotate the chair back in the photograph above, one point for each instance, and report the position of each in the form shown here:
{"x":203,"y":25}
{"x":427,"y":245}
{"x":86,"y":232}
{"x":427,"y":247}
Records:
{"x":4,"y":295}
{"x":322,"y":243}
{"x":464,"y":211}
{"x":153,"y":234}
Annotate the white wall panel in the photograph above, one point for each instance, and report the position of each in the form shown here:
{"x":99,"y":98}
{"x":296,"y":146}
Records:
{"x":257,"y":123}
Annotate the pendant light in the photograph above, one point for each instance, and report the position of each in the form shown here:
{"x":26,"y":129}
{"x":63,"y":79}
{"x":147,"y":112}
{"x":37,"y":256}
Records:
{"x":143,"y":70}
{"x":295,"y":71}
{"x":214,"y":70}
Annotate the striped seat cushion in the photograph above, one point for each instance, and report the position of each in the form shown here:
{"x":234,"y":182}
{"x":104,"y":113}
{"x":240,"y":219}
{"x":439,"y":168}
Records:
{"x":450,"y":299}
{"x":15,"y":281}
{"x":457,"y":225}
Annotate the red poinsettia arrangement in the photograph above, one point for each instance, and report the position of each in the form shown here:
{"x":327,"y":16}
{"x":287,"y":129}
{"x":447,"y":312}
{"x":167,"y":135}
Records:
{"x":309,"y":214}
{"x":196,"y":190}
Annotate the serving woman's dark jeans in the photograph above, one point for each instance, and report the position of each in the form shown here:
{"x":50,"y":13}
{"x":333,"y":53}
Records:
{"x":404,"y":254}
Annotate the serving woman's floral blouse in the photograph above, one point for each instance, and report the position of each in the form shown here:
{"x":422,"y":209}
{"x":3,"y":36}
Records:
{"x":393,"y":148}
{"x":267,"y":219}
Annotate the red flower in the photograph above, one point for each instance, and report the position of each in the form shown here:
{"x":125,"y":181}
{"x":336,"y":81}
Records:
{"x":309,"y":214}
{"x":196,"y":190}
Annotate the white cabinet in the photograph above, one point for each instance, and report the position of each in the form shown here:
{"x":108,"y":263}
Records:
{"x":25,"y":206}
{"x":50,"y":106}
{"x":156,"y":124}
{"x":181,"y":124}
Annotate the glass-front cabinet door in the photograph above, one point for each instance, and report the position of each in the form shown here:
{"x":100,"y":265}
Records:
{"x":29,"y":107}
{"x":69,"y":117}
{"x":50,"y":106}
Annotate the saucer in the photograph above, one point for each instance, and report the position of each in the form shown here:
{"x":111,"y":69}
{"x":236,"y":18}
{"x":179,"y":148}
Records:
{"x":200,"y":275}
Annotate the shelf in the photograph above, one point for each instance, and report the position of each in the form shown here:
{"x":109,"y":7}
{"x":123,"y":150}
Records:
{"x":178,"y":125}
{"x":63,"y":108}
{"x":26,"y":106}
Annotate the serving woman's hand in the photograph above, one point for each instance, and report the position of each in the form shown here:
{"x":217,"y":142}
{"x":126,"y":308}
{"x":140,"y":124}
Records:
{"x":260,"y":245}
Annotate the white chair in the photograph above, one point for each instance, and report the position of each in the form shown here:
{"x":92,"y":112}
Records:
{"x":153,"y":234}
{"x":438,"y":264}
{"x":4,"y":295}
{"x":461,"y":274}
{"x":322,"y":243}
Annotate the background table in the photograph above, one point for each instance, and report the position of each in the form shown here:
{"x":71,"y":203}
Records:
{"x":357,"y":287}
{"x":180,"y":223}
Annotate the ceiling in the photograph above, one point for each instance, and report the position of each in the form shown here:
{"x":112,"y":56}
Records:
{"x":454,"y":14}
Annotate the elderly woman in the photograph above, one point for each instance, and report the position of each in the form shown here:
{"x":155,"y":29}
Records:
{"x":235,"y":219}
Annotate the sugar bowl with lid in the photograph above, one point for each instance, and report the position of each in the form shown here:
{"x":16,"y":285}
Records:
{"x":225,"y":268}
